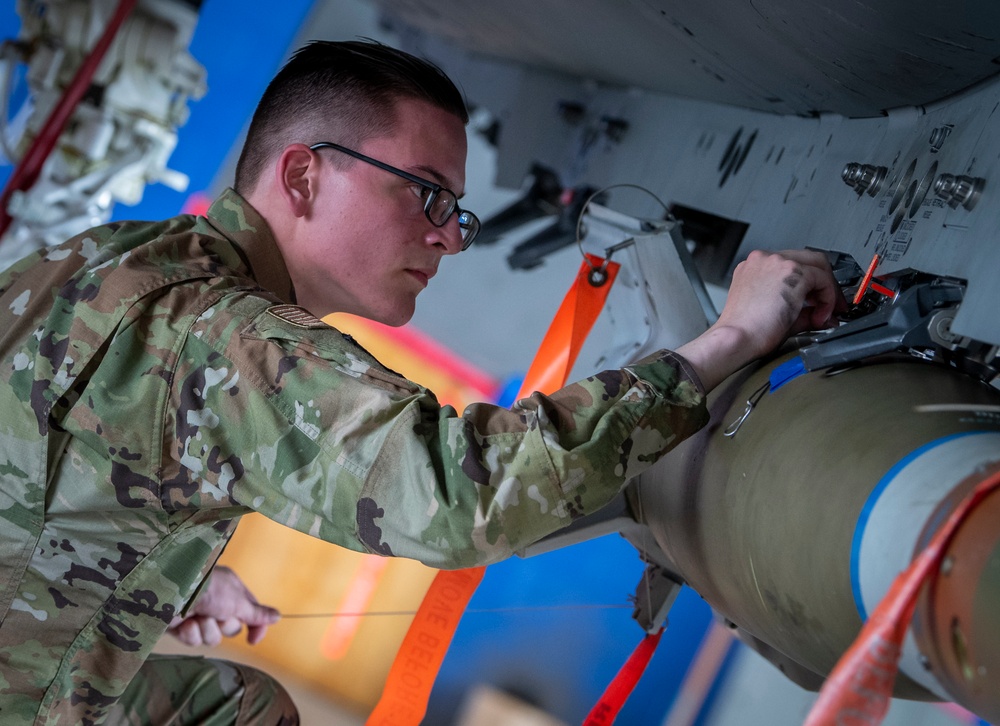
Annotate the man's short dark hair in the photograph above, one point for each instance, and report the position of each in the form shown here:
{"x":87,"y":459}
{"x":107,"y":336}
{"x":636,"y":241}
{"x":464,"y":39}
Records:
{"x":348,"y":89}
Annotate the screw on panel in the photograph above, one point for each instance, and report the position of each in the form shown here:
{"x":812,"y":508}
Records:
{"x":944,"y":185}
{"x":851,"y":173}
{"x":959,"y":190}
{"x":872,"y":178}
{"x":938,"y":136}
{"x":864,"y":177}
{"x":939,"y":329}
{"x":967,"y":191}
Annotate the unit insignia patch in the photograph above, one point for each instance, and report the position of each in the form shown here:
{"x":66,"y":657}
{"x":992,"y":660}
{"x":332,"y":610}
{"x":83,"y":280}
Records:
{"x":297,"y":316}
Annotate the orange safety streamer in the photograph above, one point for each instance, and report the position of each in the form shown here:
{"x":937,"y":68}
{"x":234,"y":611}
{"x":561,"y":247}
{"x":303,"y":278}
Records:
{"x":606,"y":709}
{"x":858,"y":690}
{"x":411,"y":677}
{"x":866,"y":280}
{"x":404,"y":698}
{"x":574,"y":320}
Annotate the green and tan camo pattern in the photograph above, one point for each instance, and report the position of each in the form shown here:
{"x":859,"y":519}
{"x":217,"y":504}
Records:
{"x":184,"y":689}
{"x":156,"y":382}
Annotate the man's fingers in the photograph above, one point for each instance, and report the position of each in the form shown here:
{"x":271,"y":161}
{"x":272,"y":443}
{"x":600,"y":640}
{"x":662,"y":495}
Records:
{"x":211,"y":633}
{"x":254,"y":614}
{"x":258,"y":624}
{"x":231,"y":627}
{"x":256,"y":633}
{"x":825,"y":298}
{"x":187,"y":632}
{"x":224,"y":608}
{"x":822,"y":295}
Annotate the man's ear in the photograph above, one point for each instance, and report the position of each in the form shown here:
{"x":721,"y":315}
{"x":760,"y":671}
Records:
{"x":296,"y":174}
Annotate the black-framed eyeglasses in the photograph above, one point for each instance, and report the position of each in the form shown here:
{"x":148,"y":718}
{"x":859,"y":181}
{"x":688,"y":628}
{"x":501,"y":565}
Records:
{"x":439,"y":203}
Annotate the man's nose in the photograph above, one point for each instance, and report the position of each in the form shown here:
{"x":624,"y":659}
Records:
{"x":448,"y":236}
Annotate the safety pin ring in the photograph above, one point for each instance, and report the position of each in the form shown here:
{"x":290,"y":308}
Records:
{"x":735,"y":425}
{"x":751,"y":402}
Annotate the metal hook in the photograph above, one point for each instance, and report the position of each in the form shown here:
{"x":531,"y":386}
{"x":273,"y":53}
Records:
{"x":620,"y":246}
{"x":751,"y":402}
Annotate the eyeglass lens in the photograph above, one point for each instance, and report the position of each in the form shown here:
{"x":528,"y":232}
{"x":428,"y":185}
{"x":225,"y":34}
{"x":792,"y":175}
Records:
{"x":469,"y":224}
{"x":440,"y":209}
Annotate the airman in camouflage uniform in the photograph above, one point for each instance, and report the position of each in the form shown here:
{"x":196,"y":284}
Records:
{"x":159,"y":380}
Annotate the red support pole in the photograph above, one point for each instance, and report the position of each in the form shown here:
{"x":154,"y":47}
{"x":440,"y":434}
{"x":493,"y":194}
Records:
{"x":26,"y":173}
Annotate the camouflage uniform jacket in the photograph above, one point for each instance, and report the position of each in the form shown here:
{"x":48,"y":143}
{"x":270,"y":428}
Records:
{"x":157,"y":382}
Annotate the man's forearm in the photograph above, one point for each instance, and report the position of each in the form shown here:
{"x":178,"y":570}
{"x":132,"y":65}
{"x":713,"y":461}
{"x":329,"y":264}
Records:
{"x":717,"y":353}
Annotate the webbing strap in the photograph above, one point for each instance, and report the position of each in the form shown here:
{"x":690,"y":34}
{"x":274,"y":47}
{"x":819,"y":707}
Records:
{"x":569,"y":329}
{"x":408,"y":686}
{"x":411,"y":677}
{"x":605,"y":711}
{"x":858,"y":691}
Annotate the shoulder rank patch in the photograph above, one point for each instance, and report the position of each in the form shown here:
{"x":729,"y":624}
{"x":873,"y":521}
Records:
{"x":297,"y":316}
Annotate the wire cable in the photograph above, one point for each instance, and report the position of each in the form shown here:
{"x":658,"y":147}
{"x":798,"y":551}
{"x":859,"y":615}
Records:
{"x":473,"y":611}
{"x":583,"y":211}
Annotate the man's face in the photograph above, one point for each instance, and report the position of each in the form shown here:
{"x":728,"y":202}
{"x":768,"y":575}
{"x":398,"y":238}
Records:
{"x":367,"y":247}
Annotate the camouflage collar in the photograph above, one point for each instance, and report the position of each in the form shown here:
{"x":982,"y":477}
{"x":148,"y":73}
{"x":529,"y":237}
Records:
{"x":240,"y":223}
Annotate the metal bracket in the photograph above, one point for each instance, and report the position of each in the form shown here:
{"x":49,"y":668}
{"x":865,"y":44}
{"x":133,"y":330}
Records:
{"x":654,"y":596}
{"x":906,"y":322}
{"x":613,"y":518}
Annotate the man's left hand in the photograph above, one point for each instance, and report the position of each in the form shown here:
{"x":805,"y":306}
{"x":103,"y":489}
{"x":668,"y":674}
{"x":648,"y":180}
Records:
{"x":222,"y":609}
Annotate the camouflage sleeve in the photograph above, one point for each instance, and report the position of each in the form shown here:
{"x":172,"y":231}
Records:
{"x":285,"y":416}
